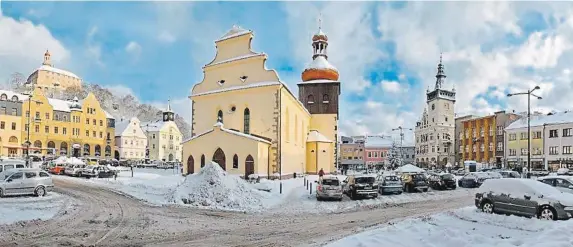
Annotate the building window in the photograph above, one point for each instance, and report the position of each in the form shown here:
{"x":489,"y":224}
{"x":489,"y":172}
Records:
{"x":567,"y":132}
{"x":100,"y":122}
{"x":202,"y":160}
{"x":64,"y":130}
{"x":523,"y":135}
{"x":567,"y":150}
{"x":14,"y":111}
{"x":524,"y":151}
{"x":482,"y":147}
{"x":87,"y":133}
{"x":512,"y":152}
{"x":553,"y":133}
{"x":37,"y":128}
{"x":490,"y":130}
{"x":13,"y":126}
{"x":512,"y":137}
{"x":2,"y":125}
{"x":325,"y":99}
{"x":87,"y":121}
{"x":247,"y":121}
{"x":537,"y":135}
{"x":94,"y":122}
{"x":220,"y":116}
{"x":47,"y":116}
{"x":490,"y":146}
{"x":369,"y":155}
{"x":499,"y":130}
{"x":554,"y":150}
{"x":500,"y":146}
{"x":235,"y":162}
{"x":310,"y":99}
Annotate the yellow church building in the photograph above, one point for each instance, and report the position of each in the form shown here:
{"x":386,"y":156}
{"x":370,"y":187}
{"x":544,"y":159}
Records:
{"x":249,"y":122}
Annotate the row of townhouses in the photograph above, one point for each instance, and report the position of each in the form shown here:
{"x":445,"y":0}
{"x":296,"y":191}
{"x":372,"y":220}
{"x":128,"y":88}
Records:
{"x":359,"y":152}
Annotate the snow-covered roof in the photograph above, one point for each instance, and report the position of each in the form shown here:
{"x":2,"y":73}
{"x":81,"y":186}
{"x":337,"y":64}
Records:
{"x":378,"y":142}
{"x":220,"y":125}
{"x":108,"y":115}
{"x":315,"y":136}
{"x":317,"y":82}
{"x":56,"y":70}
{"x":557,"y":118}
{"x":11,"y":94}
{"x":251,"y":85}
{"x":235,"y":59}
{"x":121,"y":126}
{"x":60,"y":105}
{"x":235,"y":31}
{"x":320,"y":62}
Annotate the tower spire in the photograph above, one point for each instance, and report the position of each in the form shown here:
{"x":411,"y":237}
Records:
{"x":441,"y":75}
{"x":47,"y":59}
{"x":320,"y":22}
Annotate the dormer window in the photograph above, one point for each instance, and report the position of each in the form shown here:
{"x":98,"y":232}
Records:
{"x":243,"y":78}
{"x":3,"y":97}
{"x":14,"y":98}
{"x":221,"y":82}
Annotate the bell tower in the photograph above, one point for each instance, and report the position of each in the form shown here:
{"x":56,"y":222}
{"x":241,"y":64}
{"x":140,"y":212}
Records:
{"x":47,"y":59}
{"x":168,"y":114}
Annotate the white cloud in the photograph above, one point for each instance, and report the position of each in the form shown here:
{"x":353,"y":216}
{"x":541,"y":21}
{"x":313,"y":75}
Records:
{"x":166,"y":37}
{"x":391,"y":86}
{"x":541,"y":52}
{"x":22,"y":47}
{"x":120,"y":90}
{"x":134,"y":49}
{"x":93,"y":48}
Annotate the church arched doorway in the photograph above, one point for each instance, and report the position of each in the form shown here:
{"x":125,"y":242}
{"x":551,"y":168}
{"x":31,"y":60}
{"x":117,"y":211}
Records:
{"x":219,"y":158}
{"x":190,"y":165}
{"x":249,"y":166}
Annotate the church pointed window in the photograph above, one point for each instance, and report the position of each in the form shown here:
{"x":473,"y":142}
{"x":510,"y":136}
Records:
{"x":311,"y":99}
{"x":220,"y":116}
{"x":247,"y":121}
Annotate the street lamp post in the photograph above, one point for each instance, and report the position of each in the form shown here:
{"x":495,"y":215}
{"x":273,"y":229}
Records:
{"x":28,"y":143}
{"x":529,"y":93}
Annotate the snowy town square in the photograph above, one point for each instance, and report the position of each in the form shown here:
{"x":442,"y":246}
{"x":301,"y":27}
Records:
{"x":286,"y":123}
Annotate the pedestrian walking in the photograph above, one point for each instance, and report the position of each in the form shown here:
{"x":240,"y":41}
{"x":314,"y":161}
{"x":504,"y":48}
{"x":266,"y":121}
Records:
{"x":320,"y":174}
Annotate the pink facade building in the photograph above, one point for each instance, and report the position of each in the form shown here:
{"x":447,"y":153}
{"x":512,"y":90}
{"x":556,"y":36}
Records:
{"x":376,"y":150}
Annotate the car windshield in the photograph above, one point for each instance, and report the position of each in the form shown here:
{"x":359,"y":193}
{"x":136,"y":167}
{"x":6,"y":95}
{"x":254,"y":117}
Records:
{"x":364,"y":180}
{"x":90,"y":167}
{"x":481,"y":175}
{"x":391,"y":178}
{"x":447,"y":176}
{"x":334,"y":182}
{"x":418,"y":176}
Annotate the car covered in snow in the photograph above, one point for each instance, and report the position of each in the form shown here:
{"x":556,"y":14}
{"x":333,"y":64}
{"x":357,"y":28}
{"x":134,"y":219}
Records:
{"x":329,"y":187}
{"x":524,"y":197}
{"x":562,"y":183}
{"x":442,"y":181}
{"x":389,"y":183}
{"x":363,"y":185}
{"x":510,"y":174}
{"x":25,"y":181}
{"x":413,"y":182}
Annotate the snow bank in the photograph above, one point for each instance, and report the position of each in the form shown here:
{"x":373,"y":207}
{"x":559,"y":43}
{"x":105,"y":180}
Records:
{"x":16,"y":209}
{"x":213,"y":188}
{"x":464,"y":227}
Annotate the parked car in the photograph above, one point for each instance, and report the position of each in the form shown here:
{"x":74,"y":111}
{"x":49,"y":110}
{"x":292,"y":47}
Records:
{"x":73,"y":170}
{"x":99,"y":171}
{"x":8,"y":164}
{"x":329,"y":187}
{"x":58,"y":169}
{"x":363,"y":185}
{"x":510,"y":174}
{"x":473,"y":179}
{"x":525,"y":197}
{"x":24,"y":181}
{"x":562,"y":171}
{"x":442,"y":181}
{"x":414,"y":182}
{"x":389,"y":183}
{"x":562,"y":183}
{"x":540,"y":172}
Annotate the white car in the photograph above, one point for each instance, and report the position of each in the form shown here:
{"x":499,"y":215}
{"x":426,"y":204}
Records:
{"x":74,"y":170}
{"x":562,"y":183}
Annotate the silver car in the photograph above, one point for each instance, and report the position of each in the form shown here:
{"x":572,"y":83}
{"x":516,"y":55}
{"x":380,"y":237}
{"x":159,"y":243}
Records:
{"x":329,"y":187}
{"x":25,"y":181}
{"x":389,"y":183}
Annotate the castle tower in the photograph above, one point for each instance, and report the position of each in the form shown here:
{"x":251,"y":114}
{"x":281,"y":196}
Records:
{"x":319,"y":90}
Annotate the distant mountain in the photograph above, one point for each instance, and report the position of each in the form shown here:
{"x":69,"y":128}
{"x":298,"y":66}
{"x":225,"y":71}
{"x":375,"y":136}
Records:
{"x":120,"y":107}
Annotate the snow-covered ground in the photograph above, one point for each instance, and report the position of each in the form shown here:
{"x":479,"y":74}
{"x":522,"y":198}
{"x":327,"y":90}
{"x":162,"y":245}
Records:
{"x":14,"y":209}
{"x":169,"y":187}
{"x":466,"y":227}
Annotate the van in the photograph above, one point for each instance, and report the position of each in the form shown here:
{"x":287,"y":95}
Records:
{"x":11,"y":164}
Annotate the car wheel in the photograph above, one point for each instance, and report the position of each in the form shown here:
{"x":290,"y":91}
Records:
{"x":425,"y":190}
{"x":487,"y":207}
{"x":40,"y":191}
{"x":399,"y":193}
{"x":547,"y":213}
{"x":61,"y":172}
{"x":318,"y":198}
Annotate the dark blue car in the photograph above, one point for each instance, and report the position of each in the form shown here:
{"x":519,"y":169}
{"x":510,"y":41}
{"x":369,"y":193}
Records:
{"x":473,"y":179}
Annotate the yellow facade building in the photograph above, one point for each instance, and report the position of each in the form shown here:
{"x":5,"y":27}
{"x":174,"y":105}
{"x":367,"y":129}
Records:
{"x":11,"y":123}
{"x":48,"y":77}
{"x":249,"y":122}
{"x":75,"y":128}
{"x":479,"y":139}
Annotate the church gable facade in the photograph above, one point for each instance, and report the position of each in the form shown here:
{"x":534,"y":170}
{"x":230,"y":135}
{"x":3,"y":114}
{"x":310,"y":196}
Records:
{"x":246,"y":120}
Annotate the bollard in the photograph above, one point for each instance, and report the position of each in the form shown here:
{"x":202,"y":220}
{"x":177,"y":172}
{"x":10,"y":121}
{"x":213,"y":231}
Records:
{"x":307,"y":186}
{"x":311,"y":189}
{"x":304,"y":180}
{"x":281,"y":188}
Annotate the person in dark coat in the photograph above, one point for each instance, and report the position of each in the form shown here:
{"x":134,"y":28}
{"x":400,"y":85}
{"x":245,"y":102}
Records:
{"x":320,"y":173}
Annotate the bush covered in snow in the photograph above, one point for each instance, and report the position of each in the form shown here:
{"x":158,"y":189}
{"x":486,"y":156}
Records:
{"x":212,"y":187}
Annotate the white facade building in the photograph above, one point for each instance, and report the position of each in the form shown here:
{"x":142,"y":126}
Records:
{"x":130,"y":139}
{"x":164,"y":138}
{"x":436,"y":128}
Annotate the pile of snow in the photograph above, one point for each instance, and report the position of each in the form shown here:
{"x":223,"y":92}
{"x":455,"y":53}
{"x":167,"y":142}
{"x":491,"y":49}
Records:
{"x":16,"y":209}
{"x":464,"y":227}
{"x":213,"y":188}
{"x":409,"y":168}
